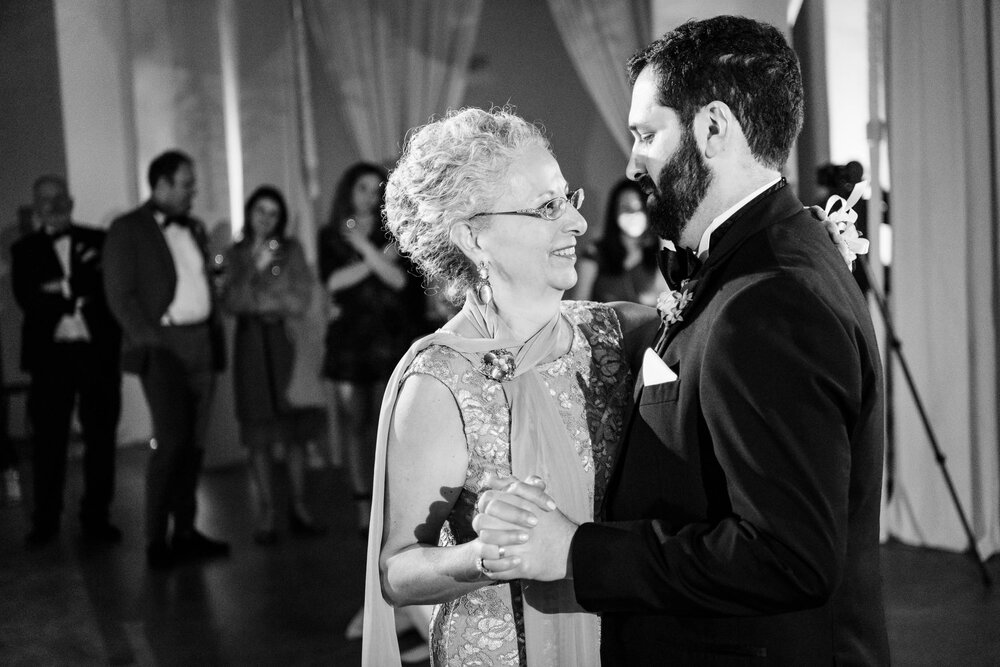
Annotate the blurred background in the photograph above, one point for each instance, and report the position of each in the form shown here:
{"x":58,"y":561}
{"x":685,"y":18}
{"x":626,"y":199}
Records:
{"x":901,"y":93}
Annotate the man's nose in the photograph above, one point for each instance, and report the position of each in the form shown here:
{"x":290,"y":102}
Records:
{"x":634,"y":169}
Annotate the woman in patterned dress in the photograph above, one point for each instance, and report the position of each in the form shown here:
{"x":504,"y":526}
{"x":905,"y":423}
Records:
{"x":518,"y":383}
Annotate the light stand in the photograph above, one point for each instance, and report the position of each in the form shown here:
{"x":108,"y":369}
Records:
{"x":896,"y":347}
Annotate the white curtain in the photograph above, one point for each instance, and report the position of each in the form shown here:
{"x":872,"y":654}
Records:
{"x":943,"y":142}
{"x":600,"y":35}
{"x":396,"y":62}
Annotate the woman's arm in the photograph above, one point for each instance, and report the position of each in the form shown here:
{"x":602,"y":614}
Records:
{"x":425,"y":471}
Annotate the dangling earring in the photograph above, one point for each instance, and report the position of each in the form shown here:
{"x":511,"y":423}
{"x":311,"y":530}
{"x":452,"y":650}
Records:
{"x":483,"y":288}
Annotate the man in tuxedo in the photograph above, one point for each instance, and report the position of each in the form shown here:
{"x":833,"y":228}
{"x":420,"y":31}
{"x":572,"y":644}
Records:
{"x":741,"y":520}
{"x":70,"y":346}
{"x":158,"y":286}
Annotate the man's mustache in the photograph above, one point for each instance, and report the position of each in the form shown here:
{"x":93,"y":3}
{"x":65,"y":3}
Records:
{"x":647,"y":185}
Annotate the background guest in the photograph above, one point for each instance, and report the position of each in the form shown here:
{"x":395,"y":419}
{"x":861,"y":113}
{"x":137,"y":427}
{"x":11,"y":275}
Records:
{"x":158,"y":286}
{"x":268,"y":281}
{"x":369,"y":327}
{"x":70,"y":346}
{"x":621,"y":265}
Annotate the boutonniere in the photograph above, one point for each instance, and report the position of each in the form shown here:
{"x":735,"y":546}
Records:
{"x":498,"y":365}
{"x":87,"y":255}
{"x":671,"y":304}
{"x":849,"y":243}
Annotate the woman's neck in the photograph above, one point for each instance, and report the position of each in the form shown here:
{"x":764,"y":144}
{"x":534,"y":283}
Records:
{"x":526,"y":316}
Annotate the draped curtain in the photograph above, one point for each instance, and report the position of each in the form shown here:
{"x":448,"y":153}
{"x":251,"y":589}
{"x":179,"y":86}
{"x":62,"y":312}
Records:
{"x":943,"y":141}
{"x":395,"y":62}
{"x":600,"y":35}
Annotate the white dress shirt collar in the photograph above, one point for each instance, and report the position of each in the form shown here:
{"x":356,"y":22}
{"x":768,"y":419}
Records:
{"x":706,"y":236}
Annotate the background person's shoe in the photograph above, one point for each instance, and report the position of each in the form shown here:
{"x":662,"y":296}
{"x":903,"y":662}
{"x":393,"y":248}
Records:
{"x":265,"y":536}
{"x":102,"y":531}
{"x":40,"y":536}
{"x":159,"y":555}
{"x":194,"y":545}
{"x":304,"y":527}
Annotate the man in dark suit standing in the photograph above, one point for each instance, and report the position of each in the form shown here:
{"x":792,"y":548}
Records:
{"x":70,"y":346}
{"x":742,"y":514}
{"x":158,"y":286}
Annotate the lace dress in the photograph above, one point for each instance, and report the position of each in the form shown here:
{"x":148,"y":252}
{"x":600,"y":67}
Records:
{"x":592,"y":386}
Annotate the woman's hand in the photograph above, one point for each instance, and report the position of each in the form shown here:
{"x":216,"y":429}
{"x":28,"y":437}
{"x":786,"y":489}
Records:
{"x":356,"y":238}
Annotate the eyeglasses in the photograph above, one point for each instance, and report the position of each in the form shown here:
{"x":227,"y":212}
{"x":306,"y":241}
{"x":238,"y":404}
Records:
{"x":550,"y":210}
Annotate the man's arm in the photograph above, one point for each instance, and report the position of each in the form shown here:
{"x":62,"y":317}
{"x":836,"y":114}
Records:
{"x":780,"y":388}
{"x":120,"y":285}
{"x":780,"y":391}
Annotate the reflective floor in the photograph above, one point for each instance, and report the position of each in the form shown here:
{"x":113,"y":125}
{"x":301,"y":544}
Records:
{"x":71,"y":603}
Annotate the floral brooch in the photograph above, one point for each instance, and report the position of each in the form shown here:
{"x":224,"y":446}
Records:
{"x":498,"y":365}
{"x":671,"y":305}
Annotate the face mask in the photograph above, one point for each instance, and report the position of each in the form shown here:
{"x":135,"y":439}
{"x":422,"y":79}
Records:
{"x":632,"y":224}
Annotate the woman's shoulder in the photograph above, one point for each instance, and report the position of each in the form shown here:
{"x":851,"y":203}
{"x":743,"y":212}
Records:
{"x":441,"y":362}
{"x":597,"y":321}
{"x":588,"y":312}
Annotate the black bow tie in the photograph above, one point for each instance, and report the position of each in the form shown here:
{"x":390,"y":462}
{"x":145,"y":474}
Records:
{"x":678,"y":266}
{"x":178,"y":220}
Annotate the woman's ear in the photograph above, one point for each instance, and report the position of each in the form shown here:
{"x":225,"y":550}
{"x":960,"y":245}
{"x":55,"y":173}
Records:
{"x":466,"y":237}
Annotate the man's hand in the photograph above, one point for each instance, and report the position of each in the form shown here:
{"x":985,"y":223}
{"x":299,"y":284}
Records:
{"x":533,"y":536}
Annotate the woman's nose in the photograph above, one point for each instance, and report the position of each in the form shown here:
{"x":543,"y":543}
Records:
{"x":575,"y":223}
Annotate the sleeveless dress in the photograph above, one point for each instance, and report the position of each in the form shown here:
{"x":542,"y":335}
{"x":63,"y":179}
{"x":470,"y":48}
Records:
{"x":592,"y":385}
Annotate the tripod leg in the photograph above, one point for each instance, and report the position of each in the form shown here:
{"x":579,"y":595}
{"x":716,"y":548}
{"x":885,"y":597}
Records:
{"x":897,"y":348}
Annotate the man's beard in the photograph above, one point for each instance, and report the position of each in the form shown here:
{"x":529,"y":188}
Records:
{"x":679,"y":190}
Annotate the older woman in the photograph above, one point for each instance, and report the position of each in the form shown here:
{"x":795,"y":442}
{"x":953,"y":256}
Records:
{"x":519,"y":382}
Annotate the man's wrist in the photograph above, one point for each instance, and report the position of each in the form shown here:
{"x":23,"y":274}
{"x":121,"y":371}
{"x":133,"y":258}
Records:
{"x":569,"y":550}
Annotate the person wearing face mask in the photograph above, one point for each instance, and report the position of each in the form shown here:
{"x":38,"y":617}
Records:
{"x":267,"y":281}
{"x":70,"y":346}
{"x":621,"y":265}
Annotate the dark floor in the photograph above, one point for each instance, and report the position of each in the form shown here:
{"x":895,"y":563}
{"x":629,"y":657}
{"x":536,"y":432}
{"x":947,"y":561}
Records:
{"x":71,"y":604}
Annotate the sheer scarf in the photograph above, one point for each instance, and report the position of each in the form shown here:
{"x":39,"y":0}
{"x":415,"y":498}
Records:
{"x":557,"y":630}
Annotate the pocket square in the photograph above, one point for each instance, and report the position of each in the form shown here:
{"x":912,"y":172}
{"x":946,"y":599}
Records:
{"x":654,"y":371}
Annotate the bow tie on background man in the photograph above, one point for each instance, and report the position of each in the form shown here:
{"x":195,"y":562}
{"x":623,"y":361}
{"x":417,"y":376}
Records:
{"x":178,"y":220}
{"x":678,"y":266}
{"x":56,"y":234}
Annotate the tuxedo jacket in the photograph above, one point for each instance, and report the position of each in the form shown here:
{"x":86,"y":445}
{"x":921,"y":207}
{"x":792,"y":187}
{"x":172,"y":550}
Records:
{"x":140,"y":280}
{"x":742,"y":517}
{"x":36,"y":274}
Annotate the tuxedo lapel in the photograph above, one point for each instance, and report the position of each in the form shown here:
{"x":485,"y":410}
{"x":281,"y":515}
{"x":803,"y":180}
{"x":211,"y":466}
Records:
{"x":771,"y":208}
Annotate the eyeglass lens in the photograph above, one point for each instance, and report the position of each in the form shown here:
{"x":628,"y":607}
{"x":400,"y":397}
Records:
{"x":554,"y":208}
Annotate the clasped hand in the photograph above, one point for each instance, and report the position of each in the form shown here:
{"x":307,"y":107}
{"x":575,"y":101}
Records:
{"x":531,"y":535}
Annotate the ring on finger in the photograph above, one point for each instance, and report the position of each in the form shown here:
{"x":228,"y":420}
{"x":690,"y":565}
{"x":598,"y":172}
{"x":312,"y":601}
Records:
{"x":501,"y":552}
{"x":481,"y":567}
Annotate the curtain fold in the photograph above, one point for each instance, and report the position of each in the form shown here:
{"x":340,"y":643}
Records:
{"x":943,"y":129}
{"x":600,"y":35}
{"x":395,"y":62}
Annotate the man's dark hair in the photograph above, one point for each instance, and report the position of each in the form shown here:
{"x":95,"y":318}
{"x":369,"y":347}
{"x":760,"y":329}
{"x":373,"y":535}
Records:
{"x":744,"y":63}
{"x":165,"y":165}
{"x":55,"y":179}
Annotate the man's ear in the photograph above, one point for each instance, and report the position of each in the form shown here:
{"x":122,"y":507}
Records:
{"x":719,"y":125}
{"x":466,"y":238}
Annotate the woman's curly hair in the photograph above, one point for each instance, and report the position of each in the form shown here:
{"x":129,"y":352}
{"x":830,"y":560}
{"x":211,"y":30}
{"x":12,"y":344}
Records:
{"x":451,"y":169}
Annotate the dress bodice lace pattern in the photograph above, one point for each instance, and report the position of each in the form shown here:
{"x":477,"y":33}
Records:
{"x":592,"y":386}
